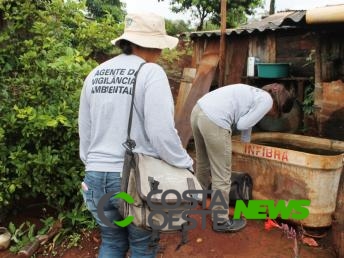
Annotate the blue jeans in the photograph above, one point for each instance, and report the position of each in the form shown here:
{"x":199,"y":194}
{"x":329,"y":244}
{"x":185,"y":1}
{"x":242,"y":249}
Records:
{"x":115,"y":241}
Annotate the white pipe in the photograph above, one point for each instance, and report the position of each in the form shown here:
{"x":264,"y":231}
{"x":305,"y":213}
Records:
{"x":328,"y":14}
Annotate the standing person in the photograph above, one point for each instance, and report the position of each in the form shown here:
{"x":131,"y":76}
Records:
{"x":103,"y":123}
{"x":212,"y":120}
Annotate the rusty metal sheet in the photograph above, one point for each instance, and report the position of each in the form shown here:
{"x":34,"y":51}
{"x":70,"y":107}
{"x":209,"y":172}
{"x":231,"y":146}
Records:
{"x":201,"y":85}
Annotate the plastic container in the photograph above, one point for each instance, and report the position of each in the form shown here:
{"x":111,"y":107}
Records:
{"x":293,"y":167}
{"x":273,"y":70}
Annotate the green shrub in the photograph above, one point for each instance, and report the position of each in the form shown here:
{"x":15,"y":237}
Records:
{"x":46,"y":50}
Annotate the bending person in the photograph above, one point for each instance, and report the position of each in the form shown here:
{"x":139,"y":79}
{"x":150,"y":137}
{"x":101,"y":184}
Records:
{"x":212,"y":120}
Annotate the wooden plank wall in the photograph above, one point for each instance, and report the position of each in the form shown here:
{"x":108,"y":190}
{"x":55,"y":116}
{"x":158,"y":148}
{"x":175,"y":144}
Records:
{"x":236,"y":56}
{"x":332,"y":56}
{"x":297,"y":48}
{"x":285,"y":47}
{"x":263,"y":47}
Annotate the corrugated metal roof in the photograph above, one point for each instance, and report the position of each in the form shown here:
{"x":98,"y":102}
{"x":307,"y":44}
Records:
{"x":277,"y":21}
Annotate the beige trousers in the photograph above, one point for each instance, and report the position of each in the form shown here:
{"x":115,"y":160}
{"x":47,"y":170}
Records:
{"x":213,"y":155}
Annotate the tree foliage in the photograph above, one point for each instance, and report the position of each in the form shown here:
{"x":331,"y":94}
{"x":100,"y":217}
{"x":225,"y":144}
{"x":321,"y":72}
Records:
{"x":203,"y":10}
{"x":100,"y":8}
{"x":177,"y":27}
{"x":46,"y":51}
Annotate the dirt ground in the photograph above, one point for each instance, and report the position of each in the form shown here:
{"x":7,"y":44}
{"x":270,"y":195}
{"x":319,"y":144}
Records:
{"x":254,"y":241}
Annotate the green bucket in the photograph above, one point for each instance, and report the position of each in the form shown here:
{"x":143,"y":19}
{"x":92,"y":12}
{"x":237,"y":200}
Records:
{"x":273,"y":70}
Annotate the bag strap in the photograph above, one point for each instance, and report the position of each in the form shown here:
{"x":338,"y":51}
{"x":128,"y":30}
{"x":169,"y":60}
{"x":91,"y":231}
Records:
{"x":130,"y":144}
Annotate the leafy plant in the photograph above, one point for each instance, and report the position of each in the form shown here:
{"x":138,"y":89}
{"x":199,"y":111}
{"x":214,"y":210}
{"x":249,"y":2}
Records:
{"x":100,"y":8}
{"x":46,"y":51}
{"x":73,"y":224}
{"x":78,"y":217}
{"x":174,"y":28}
{"x":21,"y":235}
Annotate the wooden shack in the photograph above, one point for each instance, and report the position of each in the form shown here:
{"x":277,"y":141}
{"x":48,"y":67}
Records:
{"x":312,"y":42}
{"x":313,"y":48}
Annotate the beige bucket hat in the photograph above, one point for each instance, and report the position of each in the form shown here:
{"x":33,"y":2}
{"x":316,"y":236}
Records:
{"x":146,"y":30}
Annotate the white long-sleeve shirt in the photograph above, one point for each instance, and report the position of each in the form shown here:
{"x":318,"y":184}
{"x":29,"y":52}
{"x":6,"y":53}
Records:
{"x":238,"y":104}
{"x":104,"y":112}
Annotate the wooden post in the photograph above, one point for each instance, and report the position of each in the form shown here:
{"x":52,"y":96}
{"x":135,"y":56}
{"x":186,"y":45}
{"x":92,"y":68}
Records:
{"x":222,"y":65}
{"x":184,"y":89}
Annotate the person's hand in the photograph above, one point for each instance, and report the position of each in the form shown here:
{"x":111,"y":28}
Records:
{"x":246,"y":135}
{"x":246,"y":139}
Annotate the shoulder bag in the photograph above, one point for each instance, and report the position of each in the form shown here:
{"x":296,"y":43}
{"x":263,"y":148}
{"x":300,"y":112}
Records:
{"x":142,"y":174}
